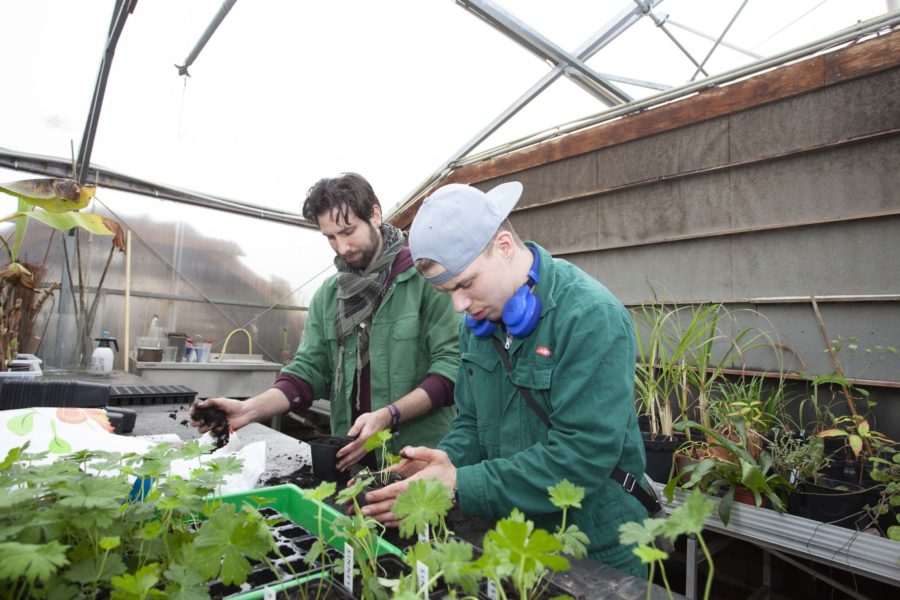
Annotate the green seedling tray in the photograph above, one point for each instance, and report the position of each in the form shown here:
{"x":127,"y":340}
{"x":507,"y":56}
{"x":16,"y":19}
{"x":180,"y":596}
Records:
{"x":289,"y":501}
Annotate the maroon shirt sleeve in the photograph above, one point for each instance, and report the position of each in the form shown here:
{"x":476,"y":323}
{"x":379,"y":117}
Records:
{"x":439,"y":390}
{"x":297,"y":390}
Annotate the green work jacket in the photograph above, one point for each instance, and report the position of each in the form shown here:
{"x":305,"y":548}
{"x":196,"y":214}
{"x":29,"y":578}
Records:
{"x":578,"y":364}
{"x":414,"y":333}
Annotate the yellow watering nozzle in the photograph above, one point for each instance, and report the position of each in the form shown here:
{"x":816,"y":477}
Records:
{"x":228,"y":338}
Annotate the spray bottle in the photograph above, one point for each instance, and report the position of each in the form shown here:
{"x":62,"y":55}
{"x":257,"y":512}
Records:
{"x":102,"y":358}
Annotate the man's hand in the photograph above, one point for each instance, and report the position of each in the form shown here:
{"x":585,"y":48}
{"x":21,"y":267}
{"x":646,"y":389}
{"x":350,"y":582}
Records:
{"x":237,"y":412}
{"x":418,"y":463}
{"x":366,"y":426}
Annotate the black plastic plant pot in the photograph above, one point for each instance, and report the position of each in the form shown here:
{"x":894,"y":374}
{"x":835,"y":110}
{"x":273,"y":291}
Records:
{"x":324,"y":458}
{"x":835,"y":502}
{"x":659,"y":452}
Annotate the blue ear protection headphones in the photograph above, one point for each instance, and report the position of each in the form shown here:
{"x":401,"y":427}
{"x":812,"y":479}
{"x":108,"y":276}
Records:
{"x":521,"y":313}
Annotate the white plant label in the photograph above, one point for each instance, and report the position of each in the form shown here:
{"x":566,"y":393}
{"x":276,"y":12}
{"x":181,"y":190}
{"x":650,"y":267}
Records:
{"x":423,"y":576}
{"x":423,"y":537}
{"x":269,"y":594}
{"x":348,"y":567}
{"x":491,"y":589}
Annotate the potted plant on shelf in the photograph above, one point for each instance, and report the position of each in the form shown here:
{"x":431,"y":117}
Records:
{"x":683,"y":355}
{"x":728,"y":469}
{"x":53,"y":202}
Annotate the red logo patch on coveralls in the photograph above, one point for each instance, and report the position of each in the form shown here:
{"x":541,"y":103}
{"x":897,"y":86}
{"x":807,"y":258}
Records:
{"x":543,"y":351}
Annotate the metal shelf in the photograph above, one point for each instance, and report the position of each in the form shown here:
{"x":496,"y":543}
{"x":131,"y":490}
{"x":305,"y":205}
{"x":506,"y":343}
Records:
{"x":864,"y":554}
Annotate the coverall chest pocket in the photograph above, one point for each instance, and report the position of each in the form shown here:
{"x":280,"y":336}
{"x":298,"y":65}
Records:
{"x":535,"y":378}
{"x":484,"y":381}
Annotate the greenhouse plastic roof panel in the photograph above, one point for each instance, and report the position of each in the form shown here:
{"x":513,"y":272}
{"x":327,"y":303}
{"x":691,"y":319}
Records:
{"x":283,"y":93}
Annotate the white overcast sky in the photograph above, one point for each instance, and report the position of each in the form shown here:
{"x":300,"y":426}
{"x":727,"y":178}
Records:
{"x":289,"y":91}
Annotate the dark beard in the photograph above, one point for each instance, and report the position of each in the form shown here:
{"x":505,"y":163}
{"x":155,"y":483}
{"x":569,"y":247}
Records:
{"x":366,"y":258}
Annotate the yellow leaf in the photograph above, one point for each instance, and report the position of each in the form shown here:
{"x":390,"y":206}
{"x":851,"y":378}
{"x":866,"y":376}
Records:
{"x":863,"y":428}
{"x":55,"y":195}
{"x":855,"y":444}
{"x":831,"y":433}
{"x":66,"y":220}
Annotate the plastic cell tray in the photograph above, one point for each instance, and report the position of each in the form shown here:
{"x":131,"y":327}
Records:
{"x":288,"y":500}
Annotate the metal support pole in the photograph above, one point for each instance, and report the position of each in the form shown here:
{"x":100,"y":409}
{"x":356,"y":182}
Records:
{"x":210,"y":30}
{"x":519,"y":31}
{"x":661,"y":23}
{"x":618,"y":25}
{"x":716,"y":45}
{"x":120,"y":14}
{"x":690,"y":568}
{"x":767,"y":573}
{"x":729,"y":45}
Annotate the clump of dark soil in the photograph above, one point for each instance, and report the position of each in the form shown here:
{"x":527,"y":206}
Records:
{"x":216,"y":420}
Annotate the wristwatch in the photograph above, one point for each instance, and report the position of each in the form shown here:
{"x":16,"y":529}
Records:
{"x":455,"y":496}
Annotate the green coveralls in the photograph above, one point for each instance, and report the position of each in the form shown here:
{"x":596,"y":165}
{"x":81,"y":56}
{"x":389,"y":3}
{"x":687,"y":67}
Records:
{"x":578,"y":364}
{"x":414,"y":333}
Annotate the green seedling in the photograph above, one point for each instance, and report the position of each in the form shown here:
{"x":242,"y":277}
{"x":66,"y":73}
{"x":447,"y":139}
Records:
{"x":379,"y":442}
{"x":424,"y":504}
{"x":687,"y":519}
{"x":516,"y":551}
{"x":565,"y":495}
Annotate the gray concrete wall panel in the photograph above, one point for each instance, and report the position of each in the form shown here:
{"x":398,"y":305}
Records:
{"x":682,"y":270}
{"x":564,"y":228}
{"x":852,"y":180}
{"x":858,"y":257}
{"x":847,"y":110}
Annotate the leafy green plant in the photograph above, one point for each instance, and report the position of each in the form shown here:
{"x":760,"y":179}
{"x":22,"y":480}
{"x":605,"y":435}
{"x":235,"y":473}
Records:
{"x":361,"y":533}
{"x":565,"y":495}
{"x":379,"y":442}
{"x":424,"y":506}
{"x":687,"y":519}
{"x":716,"y":473}
{"x":797,"y":459}
{"x":77,"y":527}
{"x":319,"y":494}
{"x":886,"y":471}
{"x":684,"y":353}
{"x":514,"y":550}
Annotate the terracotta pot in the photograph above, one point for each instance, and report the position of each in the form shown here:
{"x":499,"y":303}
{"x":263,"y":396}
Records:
{"x":745,"y":496}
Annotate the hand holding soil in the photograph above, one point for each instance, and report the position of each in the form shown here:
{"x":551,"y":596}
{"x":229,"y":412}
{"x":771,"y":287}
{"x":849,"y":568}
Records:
{"x":206,"y":417}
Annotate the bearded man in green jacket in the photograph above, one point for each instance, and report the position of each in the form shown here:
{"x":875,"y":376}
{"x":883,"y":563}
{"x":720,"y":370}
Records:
{"x":378,"y":340}
{"x":569,"y":345}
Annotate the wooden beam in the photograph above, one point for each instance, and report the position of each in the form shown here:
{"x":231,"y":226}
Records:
{"x":854,"y":61}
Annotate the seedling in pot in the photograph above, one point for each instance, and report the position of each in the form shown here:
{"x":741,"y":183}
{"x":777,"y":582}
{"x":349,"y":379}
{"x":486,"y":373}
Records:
{"x":318,"y":495}
{"x":379,"y":442}
{"x":361,"y":534}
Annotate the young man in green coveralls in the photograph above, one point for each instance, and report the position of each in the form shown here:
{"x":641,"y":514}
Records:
{"x":378,"y":340}
{"x":577,"y":361}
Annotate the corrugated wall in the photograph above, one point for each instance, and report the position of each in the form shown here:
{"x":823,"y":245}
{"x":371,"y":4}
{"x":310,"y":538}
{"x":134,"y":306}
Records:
{"x":759,"y":208}
{"x":786,"y":200}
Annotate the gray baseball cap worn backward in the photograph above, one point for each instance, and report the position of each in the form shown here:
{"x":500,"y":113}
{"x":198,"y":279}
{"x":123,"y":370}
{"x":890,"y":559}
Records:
{"x":457,"y":222}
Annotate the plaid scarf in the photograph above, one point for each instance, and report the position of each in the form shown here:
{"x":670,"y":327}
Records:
{"x":359,"y":294}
